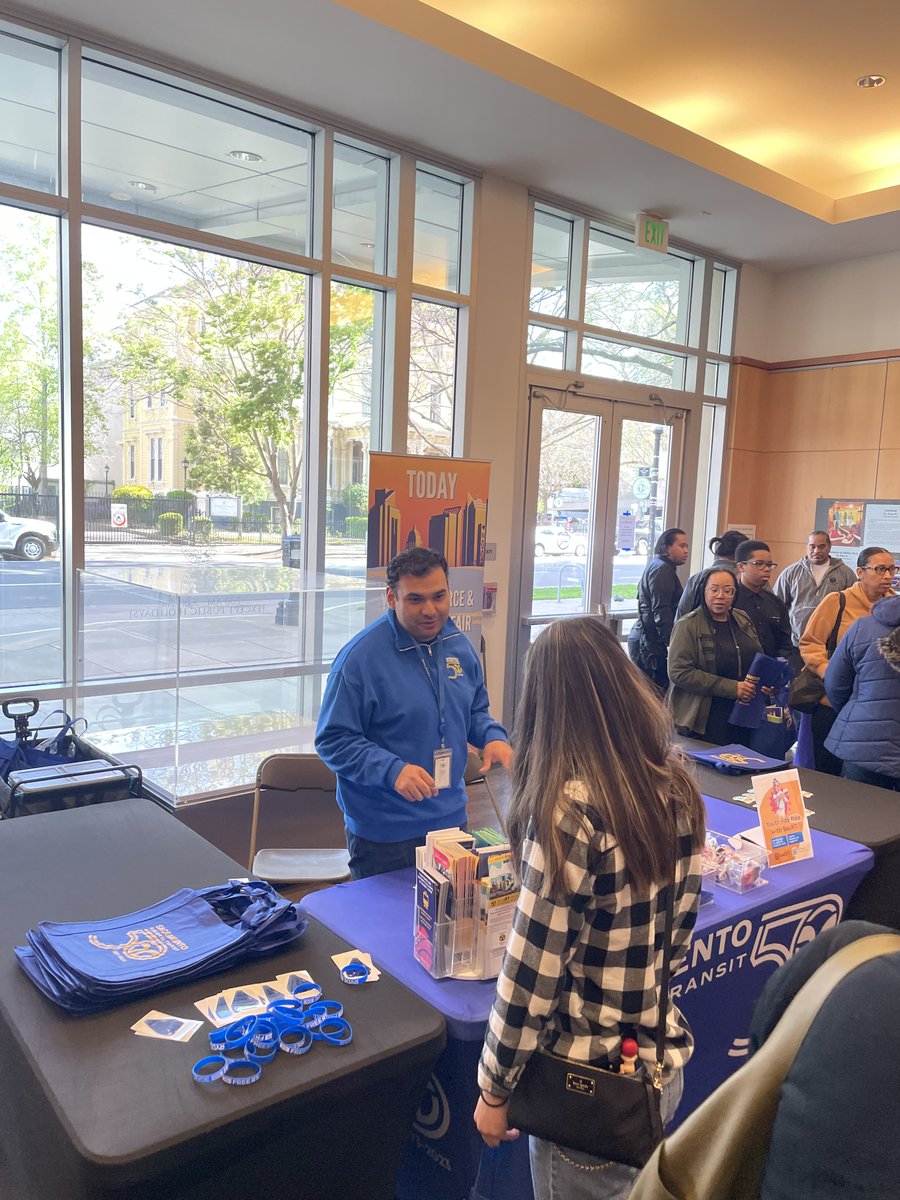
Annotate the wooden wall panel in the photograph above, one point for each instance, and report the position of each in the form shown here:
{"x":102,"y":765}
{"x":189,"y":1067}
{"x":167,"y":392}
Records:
{"x":749,"y":401}
{"x":890,"y":427}
{"x":798,"y":435}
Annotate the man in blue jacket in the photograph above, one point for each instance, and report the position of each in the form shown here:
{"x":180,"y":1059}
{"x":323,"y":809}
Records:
{"x":402,"y":702}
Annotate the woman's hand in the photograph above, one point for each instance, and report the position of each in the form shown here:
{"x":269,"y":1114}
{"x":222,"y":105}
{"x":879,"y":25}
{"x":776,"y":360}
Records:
{"x":746,"y":690}
{"x":490,"y":1121}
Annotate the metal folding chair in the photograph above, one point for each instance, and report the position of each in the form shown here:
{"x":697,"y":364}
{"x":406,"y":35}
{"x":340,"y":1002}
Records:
{"x":298,"y":774}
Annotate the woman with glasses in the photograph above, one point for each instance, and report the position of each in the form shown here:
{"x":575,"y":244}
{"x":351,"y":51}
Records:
{"x":709,"y":657}
{"x":875,"y":571}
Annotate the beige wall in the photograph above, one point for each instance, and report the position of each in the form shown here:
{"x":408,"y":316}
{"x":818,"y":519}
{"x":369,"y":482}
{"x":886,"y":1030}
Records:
{"x":797,"y":435}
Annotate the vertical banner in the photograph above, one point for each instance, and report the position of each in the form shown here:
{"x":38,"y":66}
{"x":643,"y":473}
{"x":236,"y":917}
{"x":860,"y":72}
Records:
{"x":441,"y":503}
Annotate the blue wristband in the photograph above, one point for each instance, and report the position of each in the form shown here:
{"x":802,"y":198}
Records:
{"x":355,"y":972}
{"x":209,"y":1069}
{"x":262,"y":1054}
{"x":307,"y":993}
{"x":296,"y":1041}
{"x":241,"y":1071}
{"x":335,"y":1030}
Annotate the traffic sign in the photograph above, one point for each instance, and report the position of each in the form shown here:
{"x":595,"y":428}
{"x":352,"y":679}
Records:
{"x":640,"y":489}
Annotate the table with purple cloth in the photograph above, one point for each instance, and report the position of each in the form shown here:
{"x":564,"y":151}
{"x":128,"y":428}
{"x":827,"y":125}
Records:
{"x":738,"y":942}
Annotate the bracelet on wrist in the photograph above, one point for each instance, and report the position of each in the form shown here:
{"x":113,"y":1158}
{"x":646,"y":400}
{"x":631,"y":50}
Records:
{"x":500,"y":1102}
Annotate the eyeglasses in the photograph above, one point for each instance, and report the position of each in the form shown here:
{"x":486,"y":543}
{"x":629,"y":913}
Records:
{"x":893,"y":569}
{"x":714,"y":590}
{"x":758,"y":562}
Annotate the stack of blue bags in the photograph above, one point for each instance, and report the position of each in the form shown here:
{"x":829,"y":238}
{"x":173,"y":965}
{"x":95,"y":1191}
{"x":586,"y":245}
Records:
{"x":88,"y":966}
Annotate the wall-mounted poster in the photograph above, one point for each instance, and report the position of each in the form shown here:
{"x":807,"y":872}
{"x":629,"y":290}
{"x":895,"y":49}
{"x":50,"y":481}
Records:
{"x":437,"y":502}
{"x":853,"y":524}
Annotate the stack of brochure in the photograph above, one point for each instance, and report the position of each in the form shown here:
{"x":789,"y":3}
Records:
{"x":466,"y":893}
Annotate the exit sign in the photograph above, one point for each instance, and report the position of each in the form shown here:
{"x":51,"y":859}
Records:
{"x":651,"y":232}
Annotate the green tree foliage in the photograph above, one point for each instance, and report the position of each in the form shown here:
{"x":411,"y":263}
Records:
{"x":227,"y":342}
{"x":29,"y":353}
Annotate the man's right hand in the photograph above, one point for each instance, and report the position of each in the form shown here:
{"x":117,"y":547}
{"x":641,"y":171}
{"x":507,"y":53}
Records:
{"x":414,"y":783}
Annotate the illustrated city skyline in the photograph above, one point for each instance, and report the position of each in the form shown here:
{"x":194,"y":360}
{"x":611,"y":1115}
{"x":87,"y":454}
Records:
{"x":459,"y":531}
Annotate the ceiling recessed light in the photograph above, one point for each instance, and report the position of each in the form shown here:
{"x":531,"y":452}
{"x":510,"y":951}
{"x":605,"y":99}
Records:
{"x":368,"y":245}
{"x":245,"y":155}
{"x":870,"y":81}
{"x":140,"y":186}
{"x":119,"y":196}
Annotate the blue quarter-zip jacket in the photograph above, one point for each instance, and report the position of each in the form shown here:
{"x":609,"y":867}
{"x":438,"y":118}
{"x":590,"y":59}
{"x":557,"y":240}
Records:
{"x":380,"y":711}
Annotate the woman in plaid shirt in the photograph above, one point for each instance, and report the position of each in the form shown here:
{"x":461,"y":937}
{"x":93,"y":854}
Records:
{"x":599,"y":798}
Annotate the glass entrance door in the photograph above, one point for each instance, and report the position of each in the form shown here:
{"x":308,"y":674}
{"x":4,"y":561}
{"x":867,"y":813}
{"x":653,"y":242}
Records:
{"x":603,"y":481}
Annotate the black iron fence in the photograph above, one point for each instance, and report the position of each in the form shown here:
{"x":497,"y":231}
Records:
{"x":156,"y":521}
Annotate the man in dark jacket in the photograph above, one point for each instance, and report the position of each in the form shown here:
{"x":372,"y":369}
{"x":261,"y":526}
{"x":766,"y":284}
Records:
{"x":658,"y":594}
{"x":768,"y":614}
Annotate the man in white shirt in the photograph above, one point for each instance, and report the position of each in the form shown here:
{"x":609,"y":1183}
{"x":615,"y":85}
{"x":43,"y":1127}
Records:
{"x":804,"y":583}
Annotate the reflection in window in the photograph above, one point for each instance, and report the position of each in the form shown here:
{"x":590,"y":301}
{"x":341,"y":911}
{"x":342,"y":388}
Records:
{"x":224,"y":339}
{"x":30,"y":595}
{"x":158,"y":150}
{"x":432,"y":377}
{"x":354,"y":374}
{"x":546,"y":346}
{"x":359,"y":214}
{"x":438,"y":231}
{"x":636,"y":291}
{"x":551,"y":264}
{"x":632,"y":364}
{"x":29,"y":114}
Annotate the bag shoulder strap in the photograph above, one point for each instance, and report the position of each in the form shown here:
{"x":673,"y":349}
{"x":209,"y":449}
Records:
{"x":788,"y":1034}
{"x":831,"y":644}
{"x":721,"y":1147}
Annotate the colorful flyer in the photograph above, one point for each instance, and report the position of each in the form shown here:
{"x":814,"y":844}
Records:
{"x":782,"y":817}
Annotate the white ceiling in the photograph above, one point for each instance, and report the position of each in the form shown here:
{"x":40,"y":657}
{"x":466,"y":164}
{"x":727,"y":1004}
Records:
{"x":498,"y":108}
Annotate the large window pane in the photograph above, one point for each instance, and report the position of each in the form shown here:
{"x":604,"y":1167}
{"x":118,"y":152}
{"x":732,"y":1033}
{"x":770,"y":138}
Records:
{"x":353,"y":400}
{"x":159,"y":150}
{"x":29,"y":114}
{"x":546,"y":346}
{"x":636,"y":291}
{"x":30,"y":465}
{"x":432,"y":376}
{"x":551,"y":264}
{"x":569,"y":448}
{"x":193,"y":404}
{"x":438,"y":231}
{"x":359,"y":214}
{"x":632,"y":364}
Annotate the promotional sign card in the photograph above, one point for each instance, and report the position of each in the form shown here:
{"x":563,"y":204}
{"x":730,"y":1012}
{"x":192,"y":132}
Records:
{"x":782,"y":817}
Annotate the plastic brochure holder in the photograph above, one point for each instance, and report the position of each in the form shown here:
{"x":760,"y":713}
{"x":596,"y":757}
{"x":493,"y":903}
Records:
{"x":466,"y":947}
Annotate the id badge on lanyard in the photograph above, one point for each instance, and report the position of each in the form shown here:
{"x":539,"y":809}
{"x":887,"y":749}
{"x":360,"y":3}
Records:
{"x":443,"y":755}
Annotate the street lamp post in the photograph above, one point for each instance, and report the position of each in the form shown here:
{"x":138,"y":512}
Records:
{"x":185,"y":463}
{"x":106,"y":480}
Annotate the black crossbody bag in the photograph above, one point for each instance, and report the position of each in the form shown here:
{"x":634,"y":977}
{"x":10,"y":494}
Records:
{"x":588,"y":1108}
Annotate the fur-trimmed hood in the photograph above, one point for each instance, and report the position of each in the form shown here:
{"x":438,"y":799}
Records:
{"x":887,"y":611}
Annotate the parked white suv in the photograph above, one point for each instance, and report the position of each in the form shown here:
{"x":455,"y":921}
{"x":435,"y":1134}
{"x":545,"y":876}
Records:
{"x":26,"y":537}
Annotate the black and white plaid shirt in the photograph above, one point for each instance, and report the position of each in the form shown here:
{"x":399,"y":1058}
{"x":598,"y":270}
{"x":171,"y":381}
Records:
{"x":581,"y":974}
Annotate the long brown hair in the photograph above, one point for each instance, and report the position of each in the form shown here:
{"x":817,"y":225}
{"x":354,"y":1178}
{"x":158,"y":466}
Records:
{"x":588,"y":714}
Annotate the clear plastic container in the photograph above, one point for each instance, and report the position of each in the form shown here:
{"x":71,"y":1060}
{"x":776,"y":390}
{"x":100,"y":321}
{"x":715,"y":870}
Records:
{"x":734,"y":862}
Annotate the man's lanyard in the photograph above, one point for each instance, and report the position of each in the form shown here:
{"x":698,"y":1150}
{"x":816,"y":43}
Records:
{"x":438,"y":687}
